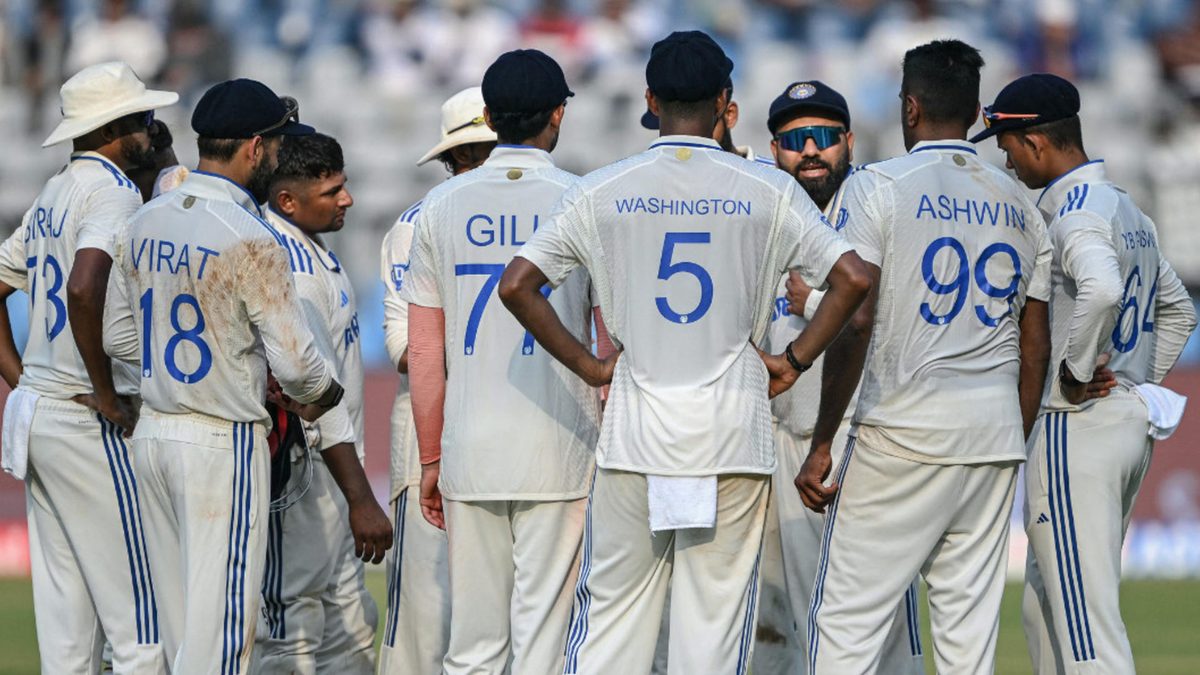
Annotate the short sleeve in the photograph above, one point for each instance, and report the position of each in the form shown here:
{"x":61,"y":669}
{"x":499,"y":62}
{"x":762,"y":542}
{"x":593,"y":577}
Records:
{"x":12,"y":259}
{"x":557,"y":248}
{"x":1039,"y":280}
{"x":811,"y":243}
{"x":108,"y":209}
{"x":394,"y":257}
{"x":863,"y":222}
{"x":420,"y":282}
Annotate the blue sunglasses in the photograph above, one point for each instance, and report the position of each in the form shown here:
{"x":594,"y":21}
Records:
{"x":824,"y":137}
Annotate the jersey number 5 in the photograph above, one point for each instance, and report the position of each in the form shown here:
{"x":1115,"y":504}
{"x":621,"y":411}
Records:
{"x":668,"y":269}
{"x":193,"y":336}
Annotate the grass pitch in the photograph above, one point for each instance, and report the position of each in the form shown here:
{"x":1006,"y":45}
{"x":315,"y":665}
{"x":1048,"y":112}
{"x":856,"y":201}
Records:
{"x":1162,"y":617}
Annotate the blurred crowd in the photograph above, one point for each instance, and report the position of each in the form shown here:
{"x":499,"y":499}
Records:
{"x":374,"y":72}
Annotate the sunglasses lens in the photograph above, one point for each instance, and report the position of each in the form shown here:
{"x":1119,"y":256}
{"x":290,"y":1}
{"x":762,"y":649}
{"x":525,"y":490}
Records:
{"x":824,"y":137}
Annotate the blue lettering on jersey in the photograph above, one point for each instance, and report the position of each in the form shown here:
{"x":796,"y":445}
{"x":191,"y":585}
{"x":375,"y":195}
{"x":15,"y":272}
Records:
{"x":683,"y":207}
{"x":158,"y":256}
{"x":43,"y":224}
{"x":483,"y":230}
{"x":1139,"y":239}
{"x":843,"y":217}
{"x":350,"y":335}
{"x":970,"y":211}
{"x":781,"y":309}
{"x":398,"y":271}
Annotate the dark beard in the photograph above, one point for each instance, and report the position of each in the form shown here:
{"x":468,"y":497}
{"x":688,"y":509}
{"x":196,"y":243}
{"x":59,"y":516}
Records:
{"x":136,"y":157}
{"x":259,"y":184}
{"x":821,"y":190}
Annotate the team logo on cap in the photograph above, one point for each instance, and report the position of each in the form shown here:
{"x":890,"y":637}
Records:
{"x":802,"y":90}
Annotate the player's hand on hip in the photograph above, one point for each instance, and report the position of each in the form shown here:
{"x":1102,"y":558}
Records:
{"x":431,"y":495}
{"x":602,"y":371}
{"x":121,"y":410}
{"x":1102,"y":382}
{"x":782,"y":374}
{"x":811,"y":480}
{"x":797,"y":293}
{"x":371,"y":529}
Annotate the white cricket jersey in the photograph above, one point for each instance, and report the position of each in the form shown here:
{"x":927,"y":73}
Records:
{"x":796,"y":408}
{"x":327,"y":298}
{"x":1105,"y":248}
{"x":960,"y":247}
{"x":518,"y":424}
{"x":394,"y":254}
{"x":202,"y":297}
{"x":82,"y":206}
{"x":685,"y":245}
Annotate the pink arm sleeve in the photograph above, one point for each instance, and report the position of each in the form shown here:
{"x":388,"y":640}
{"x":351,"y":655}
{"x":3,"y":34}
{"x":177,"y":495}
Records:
{"x":427,"y":377}
{"x":604,"y":344}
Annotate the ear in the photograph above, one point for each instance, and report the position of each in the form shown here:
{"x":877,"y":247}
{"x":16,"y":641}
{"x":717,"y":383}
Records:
{"x":284,"y":202}
{"x":1037,"y":144}
{"x":556,"y":117}
{"x":487,"y":118}
{"x":110,"y":132}
{"x":775,"y":151}
{"x":254,"y":149}
{"x":731,"y":115}
{"x":652,"y":103}
{"x":722,"y":102}
{"x":975,"y":117}
{"x":850,"y":146}
{"x":912,"y":111}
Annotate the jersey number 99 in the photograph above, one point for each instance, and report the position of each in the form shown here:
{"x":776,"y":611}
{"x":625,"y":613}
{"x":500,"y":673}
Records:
{"x":193,"y":336}
{"x":960,"y":285}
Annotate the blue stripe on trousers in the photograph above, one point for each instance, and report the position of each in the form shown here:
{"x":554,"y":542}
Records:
{"x":126,"y":517}
{"x":397,"y":570}
{"x":819,"y":586}
{"x":140,"y":540}
{"x":583,"y":597}
{"x":748,"y":620}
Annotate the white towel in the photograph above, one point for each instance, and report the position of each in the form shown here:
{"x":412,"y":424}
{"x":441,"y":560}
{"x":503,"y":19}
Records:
{"x":14,"y":436}
{"x":681,"y":502}
{"x":1165,"y":406}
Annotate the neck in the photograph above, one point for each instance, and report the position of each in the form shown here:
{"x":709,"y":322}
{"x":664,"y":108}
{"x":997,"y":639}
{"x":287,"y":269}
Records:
{"x":1064,"y":161}
{"x":935,"y":132}
{"x":111,"y":152}
{"x":676,"y":127}
{"x":543,"y":141}
{"x":226,"y":169}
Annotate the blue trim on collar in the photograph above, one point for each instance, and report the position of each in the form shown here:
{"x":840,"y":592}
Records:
{"x":122,"y":179}
{"x":1068,"y":173}
{"x":682,"y":144}
{"x":516,"y":146}
{"x":945,"y":146}
{"x":257,"y":206}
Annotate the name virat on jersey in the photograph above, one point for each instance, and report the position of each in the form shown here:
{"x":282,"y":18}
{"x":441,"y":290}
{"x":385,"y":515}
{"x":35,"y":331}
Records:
{"x":155,"y":255}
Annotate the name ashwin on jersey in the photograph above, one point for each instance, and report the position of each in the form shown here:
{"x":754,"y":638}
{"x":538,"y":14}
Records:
{"x":683,"y":207}
{"x":972,"y":211}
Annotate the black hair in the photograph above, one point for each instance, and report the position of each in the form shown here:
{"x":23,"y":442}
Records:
{"x":518,"y":127}
{"x":943,"y":76}
{"x":219,"y":149}
{"x":310,"y":157}
{"x":1063,"y":134}
{"x":687,"y":110}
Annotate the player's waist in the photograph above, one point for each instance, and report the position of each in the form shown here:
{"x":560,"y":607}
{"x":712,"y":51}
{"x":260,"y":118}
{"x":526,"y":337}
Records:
{"x":193,"y":427}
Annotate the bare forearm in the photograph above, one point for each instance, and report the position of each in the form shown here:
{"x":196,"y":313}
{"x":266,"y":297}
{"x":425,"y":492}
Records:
{"x":342,"y":460}
{"x":843,"y":367}
{"x":520,"y":291}
{"x":427,"y":379}
{"x":402,"y":363}
{"x":849,"y":285}
{"x":1035,"y":360}
{"x":10,"y":360}
{"x":86,"y":291}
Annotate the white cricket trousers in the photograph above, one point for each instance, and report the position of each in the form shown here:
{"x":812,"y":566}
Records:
{"x":894,"y":518}
{"x":513,"y":565}
{"x":1084,"y":472}
{"x":625,"y":574}
{"x":87,"y":546}
{"x":205,"y":492}
{"x":800,"y":533}
{"x":416,"y":634}
{"x":317,"y":616}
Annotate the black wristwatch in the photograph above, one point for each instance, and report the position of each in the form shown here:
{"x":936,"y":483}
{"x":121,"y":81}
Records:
{"x":332,"y":396}
{"x":791,"y":358}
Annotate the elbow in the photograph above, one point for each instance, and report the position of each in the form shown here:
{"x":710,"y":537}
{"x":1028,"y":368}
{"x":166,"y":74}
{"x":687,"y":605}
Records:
{"x":861,"y":322}
{"x":1108,"y":292}
{"x":510,"y":288}
{"x":856,"y":280}
{"x":78,"y":293}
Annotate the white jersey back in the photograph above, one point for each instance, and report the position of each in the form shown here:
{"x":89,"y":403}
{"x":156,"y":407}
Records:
{"x":518,"y":424}
{"x":83,"y":206}
{"x":393,"y":266}
{"x":203,"y":299}
{"x":1084,"y":210}
{"x":685,"y":244}
{"x":327,"y":298}
{"x":960,"y":248}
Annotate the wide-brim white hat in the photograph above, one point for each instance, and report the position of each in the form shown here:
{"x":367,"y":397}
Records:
{"x":462,"y":123}
{"x":100,"y":94}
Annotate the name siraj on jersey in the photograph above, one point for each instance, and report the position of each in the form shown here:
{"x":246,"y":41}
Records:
{"x":43,"y":224}
{"x":157,"y":255}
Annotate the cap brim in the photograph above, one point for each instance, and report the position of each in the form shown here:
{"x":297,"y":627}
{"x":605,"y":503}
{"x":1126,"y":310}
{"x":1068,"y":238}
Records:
{"x":650,"y":121}
{"x":986,"y":134}
{"x":151,"y":99}
{"x":293,"y":129}
{"x":477,"y":134}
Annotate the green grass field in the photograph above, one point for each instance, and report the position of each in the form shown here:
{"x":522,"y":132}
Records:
{"x":1163,"y":619}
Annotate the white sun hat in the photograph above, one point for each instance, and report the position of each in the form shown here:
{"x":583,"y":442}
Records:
{"x":100,"y":94}
{"x":462,"y":123}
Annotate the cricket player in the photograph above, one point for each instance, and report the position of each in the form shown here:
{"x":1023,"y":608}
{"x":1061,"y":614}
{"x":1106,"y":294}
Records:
{"x":417,"y":630}
{"x":811,"y":140}
{"x":317,"y":614}
{"x":63,"y":427}
{"x":203,"y":300}
{"x":685,"y":244}
{"x":954,"y":342}
{"x":1115,"y":301}
{"x":513,"y":430}
{"x":723,"y":132}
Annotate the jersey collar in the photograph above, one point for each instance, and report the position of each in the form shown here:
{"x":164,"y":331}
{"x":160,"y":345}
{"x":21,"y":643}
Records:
{"x":1056,"y":191}
{"x":215,"y":186}
{"x":686,"y":142}
{"x":326,"y":256}
{"x":946,"y":145}
{"x":519,"y":157}
{"x":104,"y":161}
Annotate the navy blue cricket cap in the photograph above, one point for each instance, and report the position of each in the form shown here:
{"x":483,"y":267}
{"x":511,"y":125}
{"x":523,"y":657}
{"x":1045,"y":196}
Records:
{"x":1029,"y":101}
{"x":808,"y":96}
{"x":650,"y":120}
{"x":524,"y":81}
{"x":687,"y":66}
{"x":244,"y":109}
